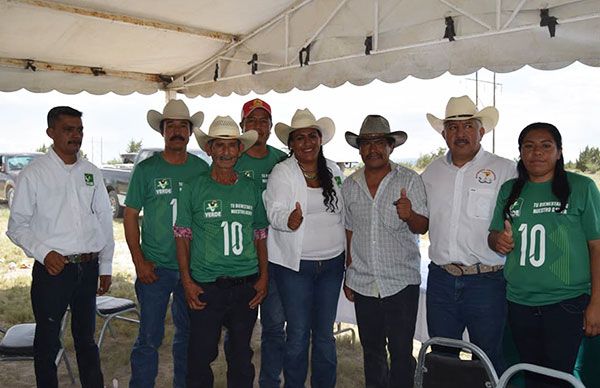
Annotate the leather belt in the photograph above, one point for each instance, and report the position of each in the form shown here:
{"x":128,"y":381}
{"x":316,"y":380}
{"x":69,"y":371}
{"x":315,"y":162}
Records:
{"x":229,"y":282}
{"x":81,"y":257}
{"x":460,"y":270}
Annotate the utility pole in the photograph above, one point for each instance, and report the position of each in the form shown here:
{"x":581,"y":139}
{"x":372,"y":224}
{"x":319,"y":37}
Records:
{"x":494,"y":84}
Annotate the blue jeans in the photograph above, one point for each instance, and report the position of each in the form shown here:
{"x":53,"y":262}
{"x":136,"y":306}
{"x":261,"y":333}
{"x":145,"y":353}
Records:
{"x":154,"y":300}
{"x":475,"y":302}
{"x":50,"y":295}
{"x":309,"y":299}
{"x":548,"y":336}
{"x":272,"y":341}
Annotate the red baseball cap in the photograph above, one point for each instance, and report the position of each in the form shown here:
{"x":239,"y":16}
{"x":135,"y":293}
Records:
{"x":251,"y":105}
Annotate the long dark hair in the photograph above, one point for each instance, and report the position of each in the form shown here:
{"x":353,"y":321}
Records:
{"x":560,"y":184}
{"x":325,"y":177}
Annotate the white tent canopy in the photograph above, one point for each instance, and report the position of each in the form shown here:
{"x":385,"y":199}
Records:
{"x":202,"y":47}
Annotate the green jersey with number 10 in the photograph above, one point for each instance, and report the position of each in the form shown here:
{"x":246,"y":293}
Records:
{"x":223,"y":219}
{"x":550,"y":261}
{"x":154,"y":187}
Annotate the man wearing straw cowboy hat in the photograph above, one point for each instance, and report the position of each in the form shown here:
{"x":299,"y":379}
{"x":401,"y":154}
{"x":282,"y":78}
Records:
{"x":155,"y":187}
{"x":257,"y":163}
{"x":222,"y":253}
{"x":465,"y":286}
{"x":385,"y":206}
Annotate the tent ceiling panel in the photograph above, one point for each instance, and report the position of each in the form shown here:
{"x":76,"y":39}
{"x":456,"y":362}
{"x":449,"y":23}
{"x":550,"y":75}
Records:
{"x":206,"y":47}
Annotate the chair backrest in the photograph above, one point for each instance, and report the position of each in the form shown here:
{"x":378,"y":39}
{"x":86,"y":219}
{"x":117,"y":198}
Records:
{"x":506,"y":376}
{"x":439,"y":370}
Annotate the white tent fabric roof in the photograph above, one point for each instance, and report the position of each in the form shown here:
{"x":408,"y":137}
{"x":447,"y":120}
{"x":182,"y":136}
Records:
{"x":203,"y":47}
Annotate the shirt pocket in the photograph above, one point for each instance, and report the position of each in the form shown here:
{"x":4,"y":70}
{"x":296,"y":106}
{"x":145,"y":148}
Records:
{"x":480,"y":203}
{"x":86,"y":196}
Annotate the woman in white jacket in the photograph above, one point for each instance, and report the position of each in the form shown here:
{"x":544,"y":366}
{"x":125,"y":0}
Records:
{"x":306,"y":244}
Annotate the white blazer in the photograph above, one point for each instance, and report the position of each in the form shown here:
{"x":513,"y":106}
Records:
{"x":285,"y":187}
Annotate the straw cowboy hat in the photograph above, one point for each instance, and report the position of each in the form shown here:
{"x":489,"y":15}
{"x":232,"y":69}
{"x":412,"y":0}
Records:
{"x":223,"y":127}
{"x":176,"y":110}
{"x":375,"y":126}
{"x":303,"y":118}
{"x":463,"y":108}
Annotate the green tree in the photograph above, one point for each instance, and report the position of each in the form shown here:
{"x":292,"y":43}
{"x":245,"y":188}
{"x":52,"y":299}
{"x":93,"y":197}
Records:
{"x":43,"y":149}
{"x":424,"y":160}
{"x":589,"y":160}
{"x":134,"y":146}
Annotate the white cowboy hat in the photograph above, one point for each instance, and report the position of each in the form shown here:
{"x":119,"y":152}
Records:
{"x":303,"y":118}
{"x":463,"y":108}
{"x":375,"y":126}
{"x":224,"y":127}
{"x":176,"y":110}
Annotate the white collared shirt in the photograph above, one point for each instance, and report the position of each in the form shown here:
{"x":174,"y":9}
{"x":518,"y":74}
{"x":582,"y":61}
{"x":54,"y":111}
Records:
{"x":461,"y":202}
{"x":64,"y":208}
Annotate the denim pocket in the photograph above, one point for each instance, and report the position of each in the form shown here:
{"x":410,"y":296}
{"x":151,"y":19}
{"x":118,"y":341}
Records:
{"x":575,"y":305}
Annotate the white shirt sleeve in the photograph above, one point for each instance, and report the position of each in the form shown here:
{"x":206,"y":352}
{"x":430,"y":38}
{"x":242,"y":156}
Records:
{"x":278,"y":196}
{"x":19,"y":223}
{"x":103,"y":212}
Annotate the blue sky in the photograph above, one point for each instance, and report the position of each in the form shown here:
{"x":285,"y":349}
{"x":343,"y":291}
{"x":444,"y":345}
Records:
{"x":568,"y":98}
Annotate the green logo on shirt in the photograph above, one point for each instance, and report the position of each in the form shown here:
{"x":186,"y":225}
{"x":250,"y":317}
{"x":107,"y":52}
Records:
{"x":338,"y":180}
{"x":212,"y":208}
{"x":89,"y":179}
{"x":515,"y":208}
{"x":163,"y":186}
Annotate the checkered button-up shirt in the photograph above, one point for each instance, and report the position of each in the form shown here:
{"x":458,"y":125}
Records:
{"x":385,"y":253}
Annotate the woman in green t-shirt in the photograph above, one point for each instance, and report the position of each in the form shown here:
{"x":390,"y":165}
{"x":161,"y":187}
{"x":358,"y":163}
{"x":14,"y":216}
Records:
{"x":547,"y":222}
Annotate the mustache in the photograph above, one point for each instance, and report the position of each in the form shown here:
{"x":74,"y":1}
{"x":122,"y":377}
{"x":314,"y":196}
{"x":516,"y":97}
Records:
{"x":177,"y":137}
{"x":225,"y":158}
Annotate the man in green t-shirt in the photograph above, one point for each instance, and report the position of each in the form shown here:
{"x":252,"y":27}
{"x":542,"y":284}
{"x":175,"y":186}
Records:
{"x":155,"y":187}
{"x":222,"y":253}
{"x":257,"y":163}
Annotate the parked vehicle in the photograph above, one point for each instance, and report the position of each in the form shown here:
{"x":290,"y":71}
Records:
{"x":117,"y":179}
{"x":11,"y":164}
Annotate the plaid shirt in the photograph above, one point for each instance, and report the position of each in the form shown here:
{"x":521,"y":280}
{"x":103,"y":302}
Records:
{"x":385,"y":253}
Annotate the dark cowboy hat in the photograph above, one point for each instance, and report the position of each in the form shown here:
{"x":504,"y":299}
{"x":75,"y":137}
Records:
{"x":375,"y":126}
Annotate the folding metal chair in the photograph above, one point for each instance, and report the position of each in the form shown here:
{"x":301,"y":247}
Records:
{"x":17,"y":344}
{"x":438,"y":370}
{"x":506,"y":376}
{"x":109,"y":308}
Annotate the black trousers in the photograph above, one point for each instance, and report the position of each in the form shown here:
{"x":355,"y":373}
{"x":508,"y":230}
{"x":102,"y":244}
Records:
{"x":226,"y":307}
{"x":548,"y":336}
{"x":388,"y":322}
{"x":75,"y":286}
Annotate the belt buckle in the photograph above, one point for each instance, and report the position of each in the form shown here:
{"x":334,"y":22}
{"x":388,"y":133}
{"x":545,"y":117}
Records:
{"x":75,"y":258}
{"x":454,"y":269}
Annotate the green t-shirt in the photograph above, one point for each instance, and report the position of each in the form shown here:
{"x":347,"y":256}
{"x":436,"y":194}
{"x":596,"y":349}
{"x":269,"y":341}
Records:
{"x":550,"y":261}
{"x":223,"y":219}
{"x":259,"y":169}
{"x":154,"y":187}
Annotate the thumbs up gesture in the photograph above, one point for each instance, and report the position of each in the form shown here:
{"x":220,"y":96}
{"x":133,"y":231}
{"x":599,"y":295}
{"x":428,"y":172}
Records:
{"x":403,"y":206}
{"x":505,"y":242}
{"x":295,"y":218}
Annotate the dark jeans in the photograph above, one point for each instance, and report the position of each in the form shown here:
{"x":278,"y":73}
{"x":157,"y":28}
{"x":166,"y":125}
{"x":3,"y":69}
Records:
{"x":225,"y":307}
{"x":548,"y":336}
{"x":310,"y":297}
{"x":272,"y":340}
{"x":475,"y":302}
{"x":388,"y":321}
{"x":75,"y":286}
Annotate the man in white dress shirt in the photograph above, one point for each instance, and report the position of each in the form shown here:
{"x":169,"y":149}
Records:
{"x":61,"y":217}
{"x":465,"y":287}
